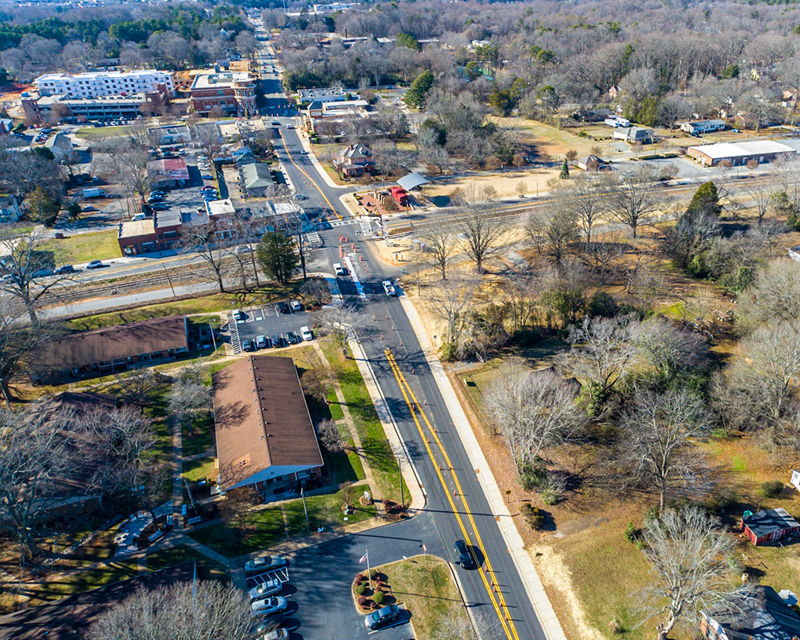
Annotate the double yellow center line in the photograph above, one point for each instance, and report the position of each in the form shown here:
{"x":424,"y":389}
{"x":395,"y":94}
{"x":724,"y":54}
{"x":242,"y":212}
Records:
{"x":491,"y":584}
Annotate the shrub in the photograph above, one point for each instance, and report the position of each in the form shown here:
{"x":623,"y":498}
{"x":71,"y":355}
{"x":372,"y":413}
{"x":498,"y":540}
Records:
{"x":651,"y":515}
{"x":771,"y":488}
{"x":378,"y":597}
{"x":551,"y":495}
{"x":373,"y":605}
{"x":373,"y":573}
{"x":630,"y":532}
{"x":361,"y":588}
{"x":533,"y":476}
{"x":362,"y":601}
{"x":533,"y":516}
{"x":360,"y":578}
{"x":603,"y":304}
{"x":615,"y":626}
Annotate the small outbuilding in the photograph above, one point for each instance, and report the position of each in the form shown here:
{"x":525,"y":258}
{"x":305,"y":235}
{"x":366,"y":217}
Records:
{"x":769,"y":525}
{"x":412,"y":181}
{"x":591,"y":163}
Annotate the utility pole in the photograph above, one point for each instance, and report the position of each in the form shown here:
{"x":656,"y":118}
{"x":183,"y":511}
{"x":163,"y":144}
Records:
{"x":305,"y":508}
{"x":169,"y":279}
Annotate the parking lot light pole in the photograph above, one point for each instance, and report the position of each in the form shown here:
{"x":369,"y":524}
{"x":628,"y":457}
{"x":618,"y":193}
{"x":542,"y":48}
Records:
{"x":305,"y":508}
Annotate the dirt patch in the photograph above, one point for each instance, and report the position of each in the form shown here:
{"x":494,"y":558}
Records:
{"x":556,"y":576}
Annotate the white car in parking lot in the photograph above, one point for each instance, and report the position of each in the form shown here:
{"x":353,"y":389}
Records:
{"x":268,"y":606}
{"x":266,"y":589}
{"x":306,"y":334}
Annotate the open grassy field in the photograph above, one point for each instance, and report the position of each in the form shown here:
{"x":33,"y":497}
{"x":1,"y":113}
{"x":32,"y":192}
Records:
{"x":201,"y":305}
{"x":98,"y":133}
{"x":83,"y":247}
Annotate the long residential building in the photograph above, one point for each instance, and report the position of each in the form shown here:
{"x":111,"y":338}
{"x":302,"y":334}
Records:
{"x":105,"y":108}
{"x":103,"y":83}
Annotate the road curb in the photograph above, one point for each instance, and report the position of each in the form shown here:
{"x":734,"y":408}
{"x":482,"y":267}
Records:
{"x":515,"y":546}
{"x":410,"y":475}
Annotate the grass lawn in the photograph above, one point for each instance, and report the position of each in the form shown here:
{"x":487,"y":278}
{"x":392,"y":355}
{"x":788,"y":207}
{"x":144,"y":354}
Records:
{"x":266,"y":527}
{"x":83,"y":247}
{"x":98,"y":133}
{"x":196,"y":470}
{"x":198,"y":437}
{"x":84,"y":581}
{"x":176,"y":555}
{"x":426,"y":586}
{"x":373,"y":439}
{"x":200,"y":305}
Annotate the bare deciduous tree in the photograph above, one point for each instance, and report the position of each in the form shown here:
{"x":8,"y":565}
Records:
{"x":332,"y":437}
{"x":479,"y":225}
{"x":440,"y":245}
{"x":452,"y":300}
{"x":767,"y":371}
{"x":521,"y":295}
{"x":602,"y":351}
{"x":634,"y":197}
{"x":203,"y":240}
{"x":533,"y":409}
{"x":667,"y":348}
{"x":774,"y":294}
{"x":139,"y":386}
{"x":205,"y":610}
{"x":691,"y":558}
{"x":657,"y":436}
{"x":341,"y":321}
{"x":587,"y":198}
{"x":25,"y":263}
{"x":556,"y":227}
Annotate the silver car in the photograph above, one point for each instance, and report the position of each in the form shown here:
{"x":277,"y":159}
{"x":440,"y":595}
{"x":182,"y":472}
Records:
{"x":266,"y":589}
{"x":268,"y":606}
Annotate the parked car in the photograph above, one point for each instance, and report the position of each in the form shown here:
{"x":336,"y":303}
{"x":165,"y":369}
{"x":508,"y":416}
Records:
{"x":157,"y":192}
{"x":264,"y":563}
{"x":305,"y":332}
{"x":300,"y":196}
{"x":277,"y":634}
{"x":282,"y":307}
{"x":268,"y":606}
{"x":243,"y":249}
{"x":382,"y":617}
{"x":65,"y":268}
{"x":290,"y":126}
{"x":139,"y":217}
{"x":247,"y":345}
{"x":338,"y":269}
{"x":160,"y":206}
{"x":292,"y":337}
{"x":207,"y":176}
{"x":208,"y":187}
{"x":268,"y":587}
{"x":277,"y":341}
{"x":262,"y":342}
{"x":94,"y":264}
{"x":238,"y":314}
{"x":88,"y":208}
{"x":263,"y":626}
{"x":153,"y":199}
{"x":388,"y":287}
{"x":296,"y":305}
{"x":463,"y":556}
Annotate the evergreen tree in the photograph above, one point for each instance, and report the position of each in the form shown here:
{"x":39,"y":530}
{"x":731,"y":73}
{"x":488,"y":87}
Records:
{"x":415,"y":96}
{"x":277,"y":256}
{"x":564,"y":170}
{"x":705,"y":200}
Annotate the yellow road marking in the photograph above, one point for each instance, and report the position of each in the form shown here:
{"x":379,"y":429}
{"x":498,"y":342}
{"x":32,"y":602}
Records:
{"x":506,"y":621}
{"x":301,"y":170}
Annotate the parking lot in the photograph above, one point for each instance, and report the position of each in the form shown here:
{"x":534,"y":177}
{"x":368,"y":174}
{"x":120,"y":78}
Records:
{"x":266,"y":321}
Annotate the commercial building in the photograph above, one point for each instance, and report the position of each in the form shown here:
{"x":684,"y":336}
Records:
{"x":102,"y":108}
{"x":9,"y":209}
{"x":103,"y":83}
{"x":170,"y":134}
{"x":265,"y":437}
{"x":232,"y":91}
{"x":159,"y":233}
{"x":740,"y":153}
{"x":329,"y":94}
{"x":167,"y":173}
{"x":103,"y":351}
{"x":703,"y":126}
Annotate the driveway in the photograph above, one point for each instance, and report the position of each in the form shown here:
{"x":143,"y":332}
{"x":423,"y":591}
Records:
{"x":321,"y":604}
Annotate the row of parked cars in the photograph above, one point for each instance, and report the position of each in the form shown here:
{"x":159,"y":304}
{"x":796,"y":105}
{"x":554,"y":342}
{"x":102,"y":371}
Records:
{"x":265,"y":603}
{"x":278,"y":340}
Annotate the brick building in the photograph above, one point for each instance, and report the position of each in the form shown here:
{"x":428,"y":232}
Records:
{"x":232,"y":91}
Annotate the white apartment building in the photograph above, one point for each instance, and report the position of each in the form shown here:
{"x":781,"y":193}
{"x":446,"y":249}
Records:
{"x":103,"y":83}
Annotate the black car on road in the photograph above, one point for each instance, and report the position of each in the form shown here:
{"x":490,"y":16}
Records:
{"x":463,"y":556}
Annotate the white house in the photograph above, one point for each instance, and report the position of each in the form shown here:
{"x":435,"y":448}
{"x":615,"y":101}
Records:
{"x":9,"y":209}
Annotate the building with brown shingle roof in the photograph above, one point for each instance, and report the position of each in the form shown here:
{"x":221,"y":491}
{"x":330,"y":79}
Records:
{"x":264,"y":432}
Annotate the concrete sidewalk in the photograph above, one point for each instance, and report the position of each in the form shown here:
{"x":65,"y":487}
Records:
{"x":516,"y":547}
